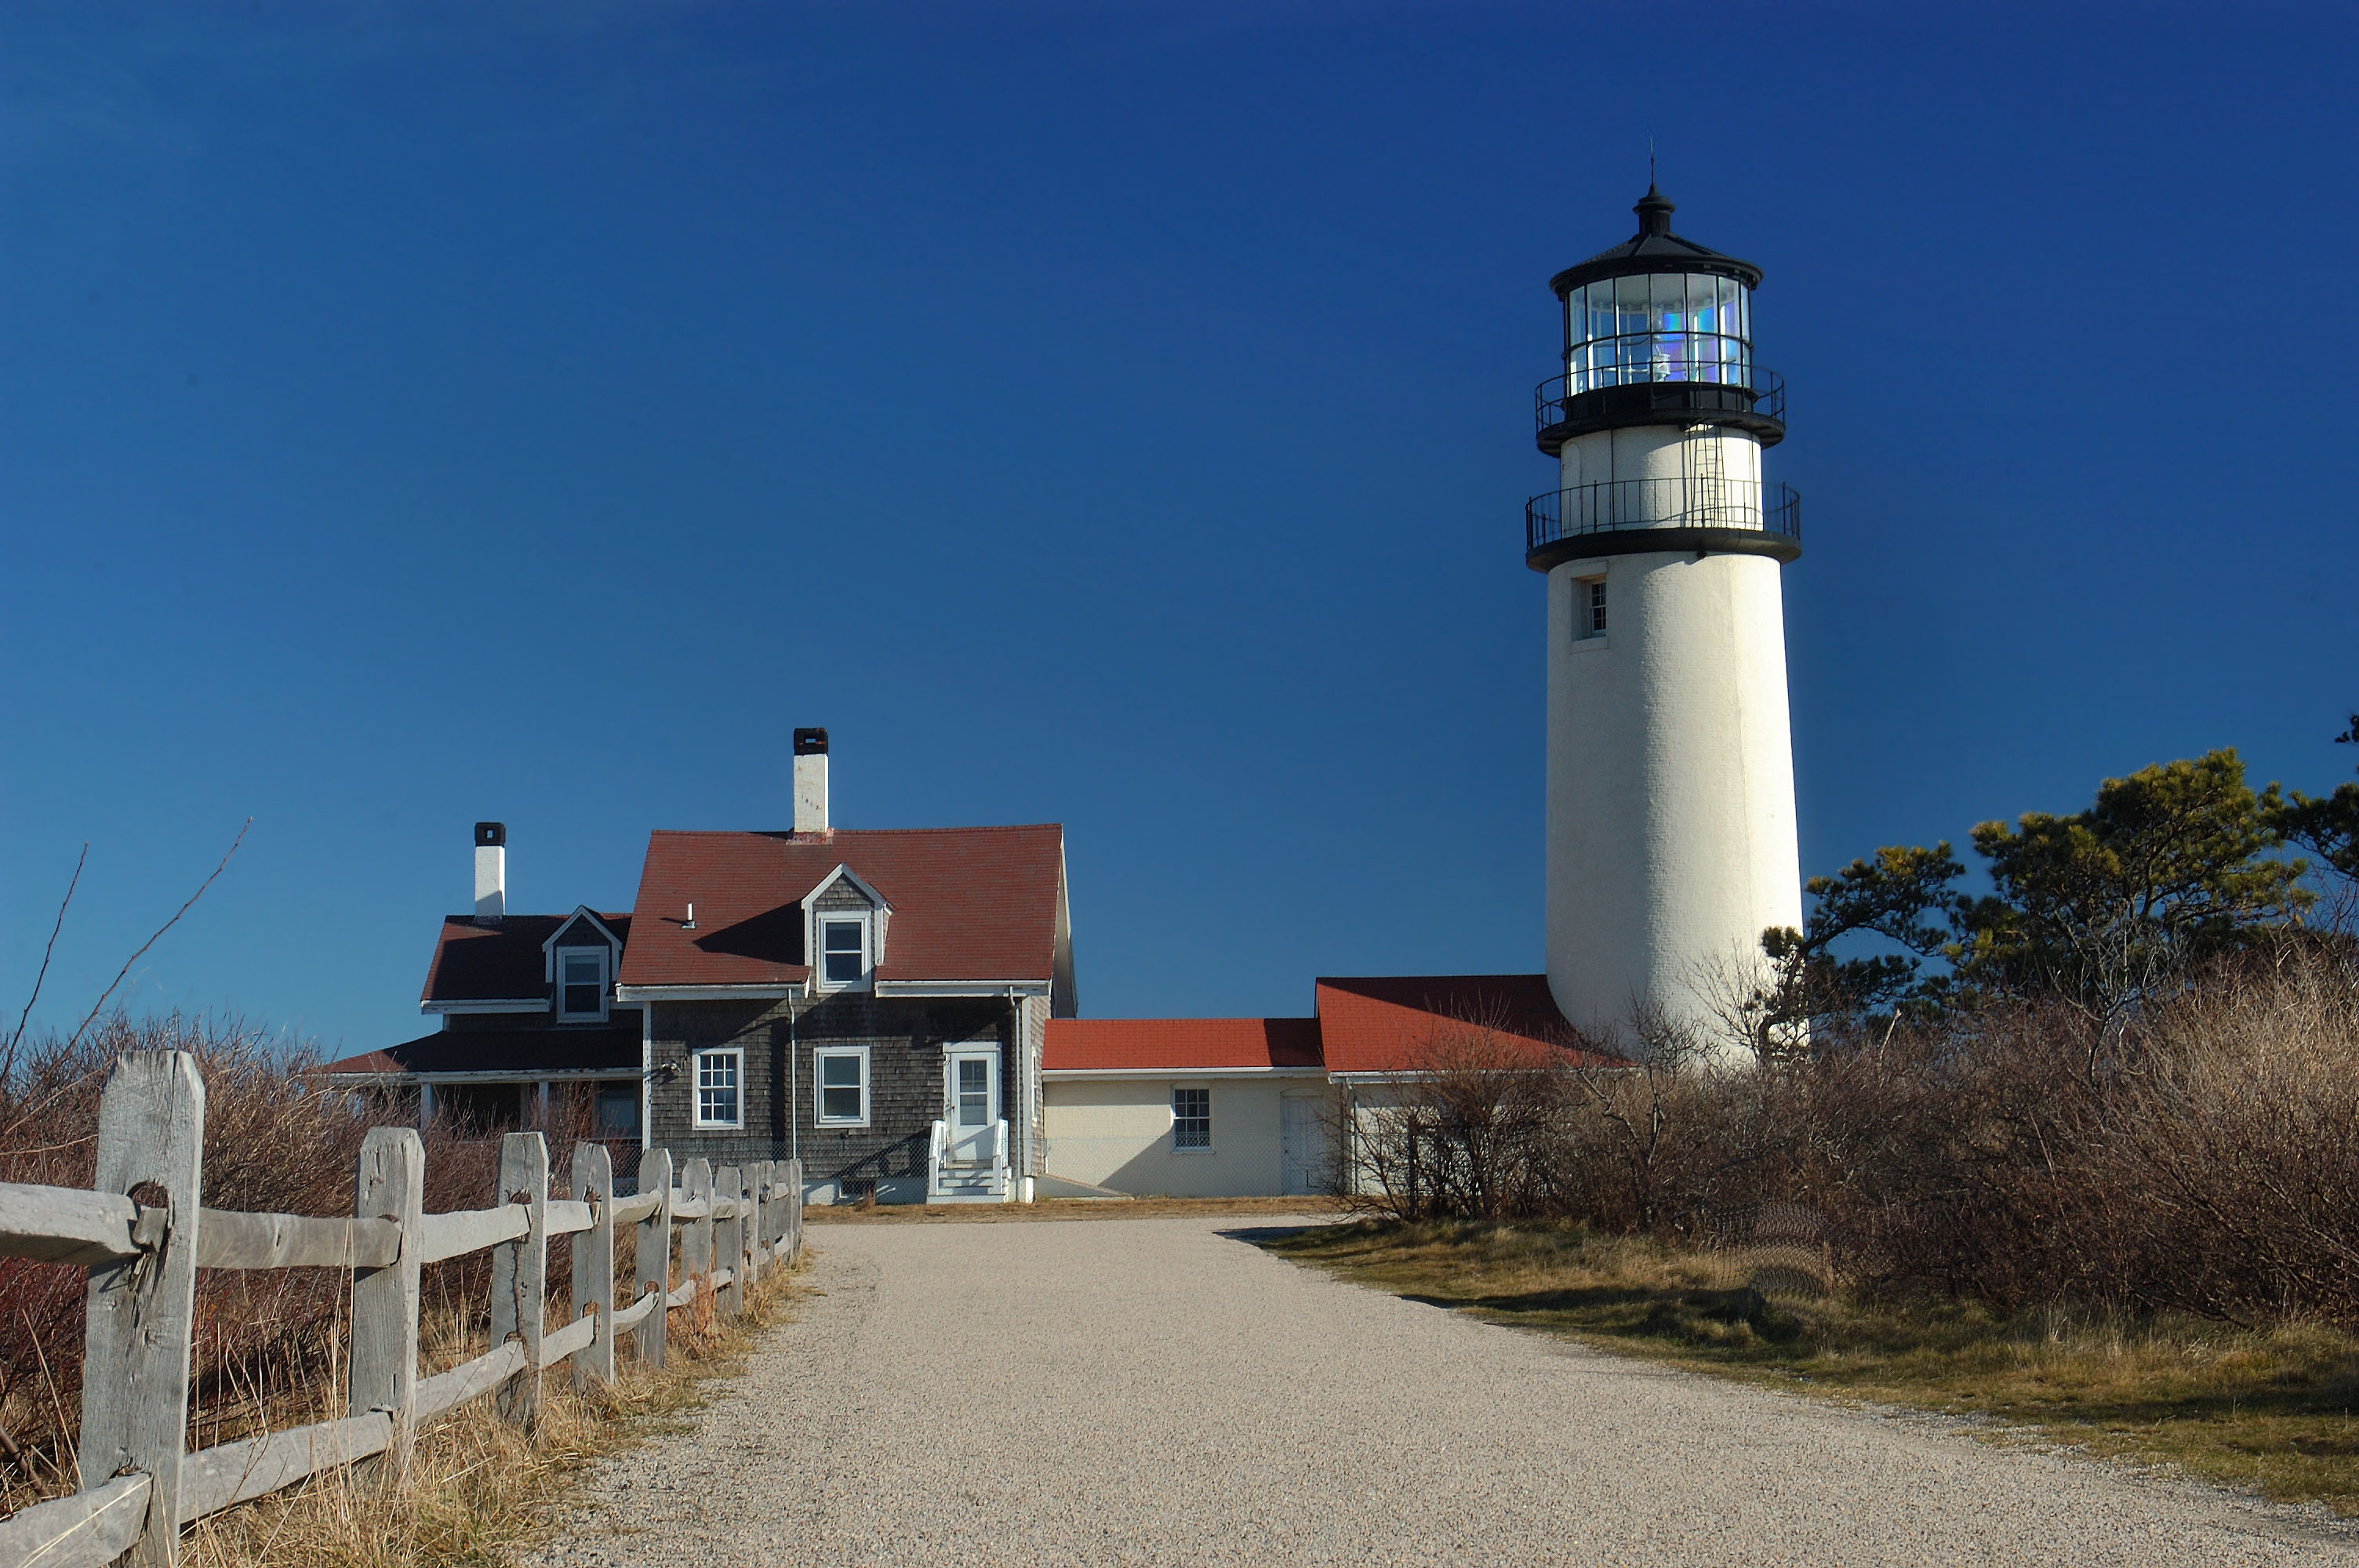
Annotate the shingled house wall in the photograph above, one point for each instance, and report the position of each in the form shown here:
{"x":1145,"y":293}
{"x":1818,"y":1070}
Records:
{"x":905,"y":1039}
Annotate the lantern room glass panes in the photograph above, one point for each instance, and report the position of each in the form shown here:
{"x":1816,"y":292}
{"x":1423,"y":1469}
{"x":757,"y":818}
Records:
{"x":1665,"y":326}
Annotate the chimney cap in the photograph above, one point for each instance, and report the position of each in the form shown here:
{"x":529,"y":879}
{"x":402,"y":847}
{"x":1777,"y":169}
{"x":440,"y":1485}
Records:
{"x":491,"y":835}
{"x":810,"y":742}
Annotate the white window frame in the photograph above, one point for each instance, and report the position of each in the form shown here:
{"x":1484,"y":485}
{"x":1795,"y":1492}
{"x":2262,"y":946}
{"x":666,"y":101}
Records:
{"x":736,"y":1055}
{"x":1206,"y":1146}
{"x":1591,"y":603}
{"x":605,"y":957}
{"x":863,"y":918}
{"x":820,"y":1054}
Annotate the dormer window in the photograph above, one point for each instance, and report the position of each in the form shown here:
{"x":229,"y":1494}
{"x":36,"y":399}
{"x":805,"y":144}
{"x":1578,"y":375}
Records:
{"x":844,"y":951}
{"x":582,"y":984}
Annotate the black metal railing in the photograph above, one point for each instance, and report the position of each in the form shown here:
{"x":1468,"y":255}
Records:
{"x":1616,"y":505}
{"x":1744,"y":388}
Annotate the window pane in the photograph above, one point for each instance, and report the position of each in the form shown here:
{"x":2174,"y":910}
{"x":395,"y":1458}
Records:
{"x":1630,"y":306}
{"x":1191,"y":1119}
{"x":582,"y":969}
{"x":581,"y":999}
{"x":840,"y":1070}
{"x":840,"y":1105}
{"x":843,"y":936}
{"x":842,"y":967}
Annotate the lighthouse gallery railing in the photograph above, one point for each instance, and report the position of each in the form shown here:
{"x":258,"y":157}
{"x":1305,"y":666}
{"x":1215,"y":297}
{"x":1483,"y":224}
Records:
{"x":1617,"y":505}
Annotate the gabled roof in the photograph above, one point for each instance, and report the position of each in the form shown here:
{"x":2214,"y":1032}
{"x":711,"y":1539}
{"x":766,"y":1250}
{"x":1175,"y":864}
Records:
{"x":970,"y":903}
{"x":508,"y":962}
{"x":522,"y":1052}
{"x":1181,"y":1044}
{"x":1381,"y":1024}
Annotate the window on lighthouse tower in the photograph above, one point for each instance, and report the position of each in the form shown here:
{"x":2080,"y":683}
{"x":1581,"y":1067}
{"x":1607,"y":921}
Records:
{"x":1588,"y":607}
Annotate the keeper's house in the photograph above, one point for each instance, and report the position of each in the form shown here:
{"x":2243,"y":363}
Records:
{"x":871,"y":1002}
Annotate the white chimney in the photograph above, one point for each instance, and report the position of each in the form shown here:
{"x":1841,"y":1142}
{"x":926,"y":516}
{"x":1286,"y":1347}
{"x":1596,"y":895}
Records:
{"x":491,"y":873}
{"x":811,"y":781}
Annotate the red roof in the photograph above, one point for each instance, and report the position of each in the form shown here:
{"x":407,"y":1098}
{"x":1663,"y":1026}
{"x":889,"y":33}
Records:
{"x":1371,"y":1025}
{"x":499,"y":963}
{"x":1380,"y":1025}
{"x":1080,"y":1045}
{"x":520,"y":1051}
{"x":969,"y":903}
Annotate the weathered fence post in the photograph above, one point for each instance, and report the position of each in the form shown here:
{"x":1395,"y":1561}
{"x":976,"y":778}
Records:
{"x":391,"y":1187}
{"x":594,"y":1261}
{"x":520,"y":1270}
{"x":655,"y":1253}
{"x":794,"y":1211}
{"x":696,"y":1242}
{"x":728,"y":1244}
{"x":757,"y":1224}
{"x":135,"y":1372}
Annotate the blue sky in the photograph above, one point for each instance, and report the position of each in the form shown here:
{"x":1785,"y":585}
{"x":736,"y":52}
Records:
{"x":1111,"y":415}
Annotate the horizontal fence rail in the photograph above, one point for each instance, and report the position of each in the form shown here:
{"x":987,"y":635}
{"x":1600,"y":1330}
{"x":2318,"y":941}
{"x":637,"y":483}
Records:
{"x":1613,"y":506}
{"x":139,"y":1482}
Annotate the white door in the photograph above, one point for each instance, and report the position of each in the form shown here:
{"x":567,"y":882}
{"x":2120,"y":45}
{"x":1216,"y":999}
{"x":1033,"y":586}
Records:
{"x":1302,"y":1145}
{"x":971,"y":1099}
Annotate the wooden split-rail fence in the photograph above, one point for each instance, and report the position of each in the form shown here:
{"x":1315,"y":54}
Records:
{"x":143,"y":1237}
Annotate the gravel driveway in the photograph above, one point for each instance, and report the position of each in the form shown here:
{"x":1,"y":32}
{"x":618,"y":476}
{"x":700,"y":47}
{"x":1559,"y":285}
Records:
{"x":1153,"y":1391}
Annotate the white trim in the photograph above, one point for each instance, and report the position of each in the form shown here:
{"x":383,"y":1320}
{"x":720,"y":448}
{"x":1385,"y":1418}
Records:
{"x":865,"y":919}
{"x":1172,"y":1103}
{"x":844,"y":873}
{"x":606,"y":957}
{"x":646,"y":1077}
{"x":514,"y":1004}
{"x":820,"y":1086}
{"x":790,"y":990}
{"x":1082,"y":1075}
{"x":696,"y":1091}
{"x":548,"y":947}
{"x":490,"y":1075}
{"x":880,"y":911}
{"x":963,"y":988}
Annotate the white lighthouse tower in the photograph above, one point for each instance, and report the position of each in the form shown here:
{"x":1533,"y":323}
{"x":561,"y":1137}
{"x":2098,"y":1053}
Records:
{"x":1671,"y":768}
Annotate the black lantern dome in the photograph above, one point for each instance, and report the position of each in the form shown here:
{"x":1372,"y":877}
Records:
{"x":1658,"y":330}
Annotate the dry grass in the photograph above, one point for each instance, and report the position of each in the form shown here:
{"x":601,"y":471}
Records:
{"x":478,"y":1487}
{"x":2269,"y":1410}
{"x":1061,"y":1208}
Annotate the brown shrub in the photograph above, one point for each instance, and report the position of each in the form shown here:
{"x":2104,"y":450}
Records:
{"x":266,"y":1341}
{"x":2200,"y":1154}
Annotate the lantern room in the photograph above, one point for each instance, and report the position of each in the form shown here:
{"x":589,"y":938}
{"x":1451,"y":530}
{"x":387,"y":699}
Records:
{"x":1658,"y":329}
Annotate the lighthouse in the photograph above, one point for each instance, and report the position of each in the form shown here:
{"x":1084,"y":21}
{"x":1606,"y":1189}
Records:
{"x":1670,"y":770}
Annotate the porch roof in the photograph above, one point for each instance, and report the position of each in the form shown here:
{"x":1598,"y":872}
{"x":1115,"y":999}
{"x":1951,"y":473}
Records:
{"x":524,"y":1051}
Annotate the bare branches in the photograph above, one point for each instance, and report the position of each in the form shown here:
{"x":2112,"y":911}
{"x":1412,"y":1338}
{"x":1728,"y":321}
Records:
{"x":8,"y":1055}
{"x":135,"y":957}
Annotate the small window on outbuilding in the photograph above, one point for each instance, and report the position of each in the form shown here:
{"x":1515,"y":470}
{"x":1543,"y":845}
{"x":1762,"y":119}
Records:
{"x":1191,"y":1119}
{"x":582,"y":982}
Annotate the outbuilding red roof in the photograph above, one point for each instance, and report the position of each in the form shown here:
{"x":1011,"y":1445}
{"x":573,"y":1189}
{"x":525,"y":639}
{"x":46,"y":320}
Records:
{"x":498,"y":963}
{"x":969,"y":903}
{"x":1383,"y":1024}
{"x":1178,"y":1044}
